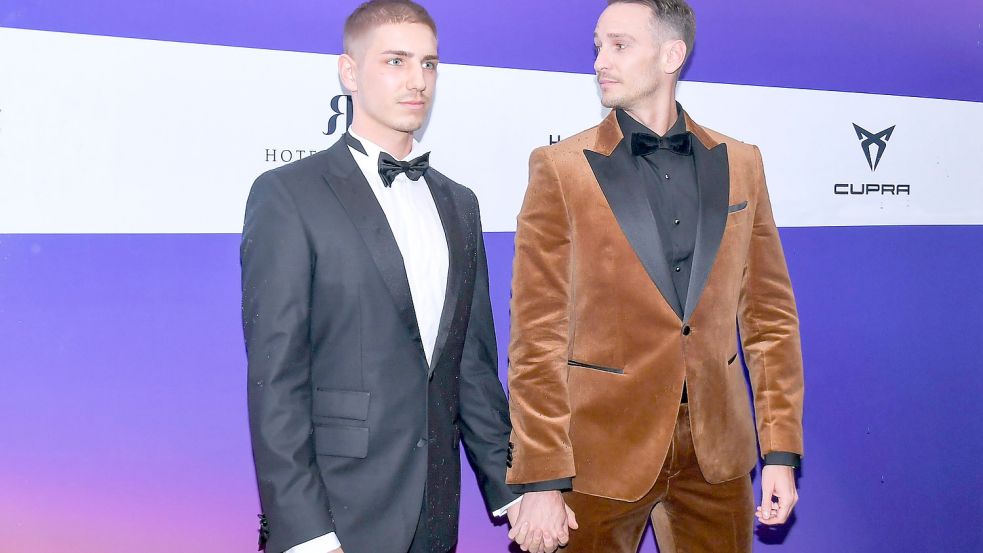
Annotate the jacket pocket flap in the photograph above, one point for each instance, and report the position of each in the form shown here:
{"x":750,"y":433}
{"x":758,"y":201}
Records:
{"x":341,"y":441}
{"x":342,"y":404}
{"x":612,"y":370}
{"x":736,"y":207}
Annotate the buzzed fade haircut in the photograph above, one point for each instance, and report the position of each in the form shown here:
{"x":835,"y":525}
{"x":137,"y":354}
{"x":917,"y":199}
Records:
{"x":374,"y":13}
{"x":676,"y":16}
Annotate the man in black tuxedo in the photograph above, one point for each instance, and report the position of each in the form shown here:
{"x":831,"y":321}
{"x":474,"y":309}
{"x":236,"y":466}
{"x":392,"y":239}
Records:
{"x":367,"y":321}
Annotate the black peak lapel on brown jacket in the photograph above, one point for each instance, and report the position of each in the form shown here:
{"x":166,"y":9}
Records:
{"x":613,"y":166}
{"x":713,"y":182}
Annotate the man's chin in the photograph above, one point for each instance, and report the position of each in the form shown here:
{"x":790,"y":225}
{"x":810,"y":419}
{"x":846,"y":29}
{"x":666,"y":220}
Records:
{"x":611,"y":102}
{"x":412,"y":125}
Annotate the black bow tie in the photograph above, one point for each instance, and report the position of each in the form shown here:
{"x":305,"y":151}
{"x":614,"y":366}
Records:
{"x":389,"y":168}
{"x":644,"y":143}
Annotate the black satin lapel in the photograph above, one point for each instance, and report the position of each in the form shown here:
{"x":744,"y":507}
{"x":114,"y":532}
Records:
{"x":713,"y":181}
{"x":354,"y":193}
{"x":630,"y":204}
{"x":451,"y":221}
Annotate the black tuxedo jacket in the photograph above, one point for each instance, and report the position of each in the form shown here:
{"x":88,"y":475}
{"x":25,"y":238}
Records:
{"x":348,"y":420}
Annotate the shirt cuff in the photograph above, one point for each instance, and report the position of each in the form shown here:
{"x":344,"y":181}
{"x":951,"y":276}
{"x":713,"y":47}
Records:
{"x":505,"y":509}
{"x":783,"y":458}
{"x":560,"y":484}
{"x":321,"y":544}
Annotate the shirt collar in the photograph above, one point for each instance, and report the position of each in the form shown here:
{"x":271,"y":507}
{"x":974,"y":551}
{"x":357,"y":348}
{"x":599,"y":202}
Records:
{"x":629,"y":125}
{"x":372,"y":150}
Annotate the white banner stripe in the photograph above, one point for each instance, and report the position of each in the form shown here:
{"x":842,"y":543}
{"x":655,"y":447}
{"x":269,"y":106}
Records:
{"x":112,"y":135}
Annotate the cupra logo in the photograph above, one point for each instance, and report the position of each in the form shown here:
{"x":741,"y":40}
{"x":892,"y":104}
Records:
{"x":869,"y":140}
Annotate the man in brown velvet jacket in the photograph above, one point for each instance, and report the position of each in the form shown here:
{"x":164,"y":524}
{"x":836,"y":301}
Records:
{"x":642,"y":245}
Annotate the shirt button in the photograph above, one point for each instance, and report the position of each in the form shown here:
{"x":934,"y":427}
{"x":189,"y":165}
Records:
{"x":676,"y":222}
{"x":686,"y":330}
{"x":421,"y":443}
{"x":678,"y":269}
{"x":667,"y":176}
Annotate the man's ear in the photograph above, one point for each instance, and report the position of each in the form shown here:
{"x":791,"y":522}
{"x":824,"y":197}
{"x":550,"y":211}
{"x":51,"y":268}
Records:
{"x":347,"y":68}
{"x":673,"y":56}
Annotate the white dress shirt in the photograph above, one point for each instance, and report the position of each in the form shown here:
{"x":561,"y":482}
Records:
{"x":415,"y":223}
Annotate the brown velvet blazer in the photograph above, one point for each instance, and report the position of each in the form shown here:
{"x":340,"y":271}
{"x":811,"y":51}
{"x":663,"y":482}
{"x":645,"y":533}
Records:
{"x":598,"y":357}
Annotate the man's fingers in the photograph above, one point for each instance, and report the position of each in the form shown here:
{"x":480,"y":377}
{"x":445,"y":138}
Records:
{"x":536,"y":540}
{"x":784,"y":509}
{"x":522,"y":534}
{"x":572,"y":519}
{"x":767,"y":495}
{"x":514,"y":531}
{"x":548,"y":543}
{"x":786,"y":502}
{"x":765,"y":507}
{"x":767,"y":517}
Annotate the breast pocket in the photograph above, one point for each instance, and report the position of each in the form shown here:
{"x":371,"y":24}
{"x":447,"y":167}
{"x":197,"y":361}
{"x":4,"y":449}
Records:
{"x":737,"y":213}
{"x":340,"y":427}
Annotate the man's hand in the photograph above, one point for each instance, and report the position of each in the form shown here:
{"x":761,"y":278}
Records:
{"x":339,"y":550}
{"x":778,"y":495}
{"x":513,"y":513}
{"x":544,"y":522}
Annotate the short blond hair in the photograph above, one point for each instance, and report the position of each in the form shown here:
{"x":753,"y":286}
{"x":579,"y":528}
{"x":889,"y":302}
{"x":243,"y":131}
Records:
{"x":375,"y":13}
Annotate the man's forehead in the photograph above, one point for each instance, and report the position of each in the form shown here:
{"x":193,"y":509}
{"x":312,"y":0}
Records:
{"x":623,"y":18}
{"x":411,"y":37}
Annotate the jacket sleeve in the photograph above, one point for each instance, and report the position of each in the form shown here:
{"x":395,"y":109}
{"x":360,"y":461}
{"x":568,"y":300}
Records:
{"x":484,"y":410}
{"x":276,"y":287}
{"x":769,"y":326}
{"x":541,"y":299}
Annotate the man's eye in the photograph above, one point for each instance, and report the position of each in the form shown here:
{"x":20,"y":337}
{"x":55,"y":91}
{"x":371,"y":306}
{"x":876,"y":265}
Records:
{"x":430,"y":65}
{"x":620,"y":46}
{"x":597,"y":50}
{"x":395,"y":61}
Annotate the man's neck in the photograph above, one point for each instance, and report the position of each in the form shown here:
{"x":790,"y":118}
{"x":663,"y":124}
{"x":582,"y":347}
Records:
{"x":657,"y":112}
{"x":397,"y":143}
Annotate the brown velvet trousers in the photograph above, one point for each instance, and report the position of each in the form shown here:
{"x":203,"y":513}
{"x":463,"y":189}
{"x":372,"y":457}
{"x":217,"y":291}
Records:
{"x":689,"y":514}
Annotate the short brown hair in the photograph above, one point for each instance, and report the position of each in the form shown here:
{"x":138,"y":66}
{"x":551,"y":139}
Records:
{"x":676,"y":15}
{"x":374,"y":13}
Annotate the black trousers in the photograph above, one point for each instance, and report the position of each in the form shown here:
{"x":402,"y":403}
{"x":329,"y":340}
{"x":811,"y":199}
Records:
{"x":421,"y":539}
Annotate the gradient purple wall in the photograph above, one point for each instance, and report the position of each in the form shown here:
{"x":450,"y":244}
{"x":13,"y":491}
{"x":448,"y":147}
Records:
{"x":124,"y":402}
{"x":877,"y":46}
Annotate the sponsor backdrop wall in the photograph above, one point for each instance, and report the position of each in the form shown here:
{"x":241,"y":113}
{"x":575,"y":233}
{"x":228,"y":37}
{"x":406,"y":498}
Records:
{"x":130,"y":133}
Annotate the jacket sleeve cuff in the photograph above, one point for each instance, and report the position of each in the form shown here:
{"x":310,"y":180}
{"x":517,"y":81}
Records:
{"x":504,"y":510}
{"x":560,"y":484}
{"x":783,"y":458}
{"x":321,"y":544}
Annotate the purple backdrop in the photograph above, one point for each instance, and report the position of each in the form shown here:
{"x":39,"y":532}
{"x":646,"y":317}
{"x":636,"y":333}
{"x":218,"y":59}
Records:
{"x":124,"y":395}
{"x":877,"y":46}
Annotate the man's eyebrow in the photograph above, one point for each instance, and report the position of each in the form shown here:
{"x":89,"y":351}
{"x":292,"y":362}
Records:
{"x":431,"y":57}
{"x":400,"y":53}
{"x":616,"y":35}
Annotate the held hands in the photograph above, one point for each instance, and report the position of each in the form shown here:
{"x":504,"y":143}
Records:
{"x":778,"y":495}
{"x":541,"y":522}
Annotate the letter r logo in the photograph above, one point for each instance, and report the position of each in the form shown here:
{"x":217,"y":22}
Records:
{"x":336,"y":107}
